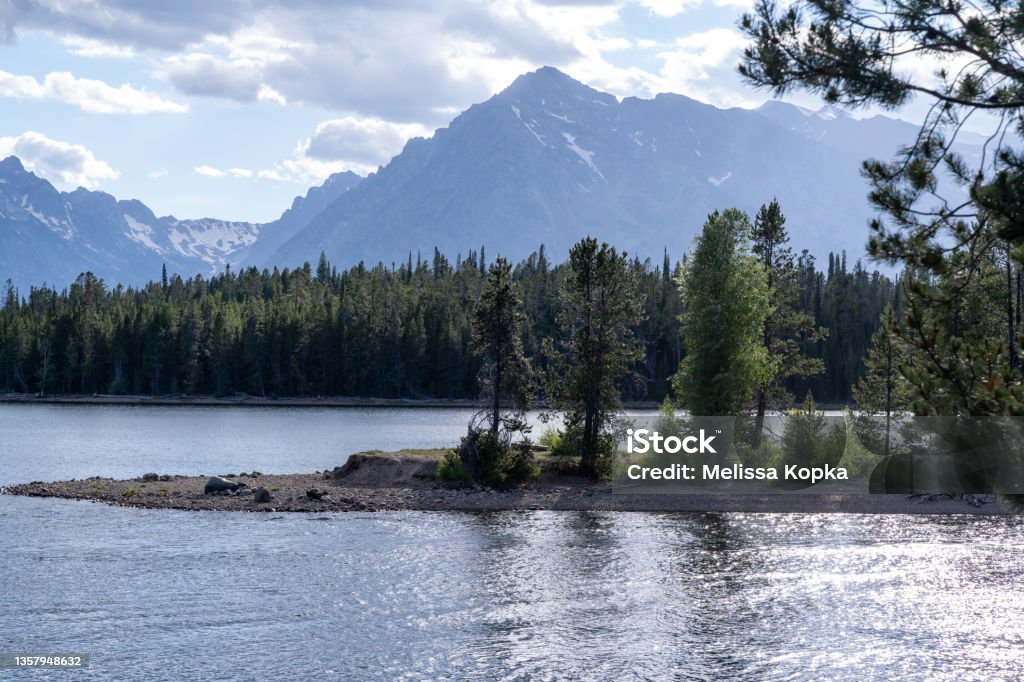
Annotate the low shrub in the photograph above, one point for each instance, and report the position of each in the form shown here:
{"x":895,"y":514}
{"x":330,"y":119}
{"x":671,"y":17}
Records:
{"x":483,"y":456}
{"x":551,"y":439}
{"x":452,"y":470}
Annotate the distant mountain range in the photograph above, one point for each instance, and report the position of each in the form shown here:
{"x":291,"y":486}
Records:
{"x":50,"y":237}
{"x":547,"y":160}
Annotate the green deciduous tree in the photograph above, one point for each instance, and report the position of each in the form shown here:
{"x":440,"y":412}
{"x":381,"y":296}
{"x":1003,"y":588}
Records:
{"x":725,"y":295}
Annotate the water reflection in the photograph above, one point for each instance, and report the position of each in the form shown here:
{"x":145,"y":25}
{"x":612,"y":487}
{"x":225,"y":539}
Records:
{"x":535,"y":595}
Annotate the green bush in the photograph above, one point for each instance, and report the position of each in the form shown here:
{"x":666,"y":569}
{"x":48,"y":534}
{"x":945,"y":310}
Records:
{"x":482,"y":456}
{"x":452,"y":470}
{"x":551,"y":438}
{"x":568,"y":445}
{"x":807,"y":440}
{"x":520,"y":466}
{"x":667,"y":423}
{"x":766,"y":455}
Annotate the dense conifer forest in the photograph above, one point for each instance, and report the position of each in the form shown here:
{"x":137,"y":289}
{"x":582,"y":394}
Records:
{"x":399,"y":331}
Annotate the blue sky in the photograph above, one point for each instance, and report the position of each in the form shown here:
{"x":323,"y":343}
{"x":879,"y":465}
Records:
{"x":230,"y":108}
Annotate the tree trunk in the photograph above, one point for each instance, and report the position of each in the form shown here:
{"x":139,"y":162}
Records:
{"x":762,"y":409}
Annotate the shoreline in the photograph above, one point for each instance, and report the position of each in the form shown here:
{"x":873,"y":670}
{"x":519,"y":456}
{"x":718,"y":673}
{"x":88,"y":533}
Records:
{"x":403,"y":481}
{"x":229,"y":401}
{"x":173,"y":400}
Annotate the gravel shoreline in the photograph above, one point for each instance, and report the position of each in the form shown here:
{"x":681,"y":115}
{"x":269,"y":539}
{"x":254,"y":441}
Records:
{"x":403,"y":481}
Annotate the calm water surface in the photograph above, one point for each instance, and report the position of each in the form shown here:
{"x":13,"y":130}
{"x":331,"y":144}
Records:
{"x":537,"y":595}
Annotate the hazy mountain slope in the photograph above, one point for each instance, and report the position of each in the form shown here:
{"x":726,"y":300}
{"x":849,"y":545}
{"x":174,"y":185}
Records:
{"x":302,"y":211}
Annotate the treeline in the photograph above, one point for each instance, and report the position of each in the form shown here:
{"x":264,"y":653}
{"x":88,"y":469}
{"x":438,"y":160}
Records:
{"x":391,"y":332}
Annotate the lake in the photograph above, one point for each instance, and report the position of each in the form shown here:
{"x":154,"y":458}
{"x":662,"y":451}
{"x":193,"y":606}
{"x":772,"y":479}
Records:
{"x":533,"y":595}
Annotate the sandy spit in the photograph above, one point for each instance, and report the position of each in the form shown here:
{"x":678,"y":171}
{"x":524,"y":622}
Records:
{"x":404,"y":481}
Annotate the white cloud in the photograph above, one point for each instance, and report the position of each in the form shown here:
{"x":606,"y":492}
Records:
{"x":66,"y":164}
{"x":212,"y":172}
{"x":209,"y":171}
{"x":668,"y":8}
{"x":86,"y":47}
{"x":208,"y":75}
{"x":353,"y":144}
{"x":366,"y":142}
{"x":703,"y":66}
{"x":273,"y":175}
{"x":269,"y":94}
{"x":87,"y":94}
{"x":158,"y":173}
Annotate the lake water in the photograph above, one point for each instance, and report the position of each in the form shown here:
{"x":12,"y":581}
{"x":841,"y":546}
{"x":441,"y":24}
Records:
{"x":536,"y":595}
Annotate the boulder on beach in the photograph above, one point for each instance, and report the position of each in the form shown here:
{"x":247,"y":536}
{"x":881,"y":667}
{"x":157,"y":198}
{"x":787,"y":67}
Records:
{"x":261,"y":495}
{"x":315,"y":494}
{"x":217,"y":484}
{"x":378,"y":470}
{"x":151,"y":476}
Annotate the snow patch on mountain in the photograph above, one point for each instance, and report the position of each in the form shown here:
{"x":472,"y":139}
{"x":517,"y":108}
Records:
{"x":211,"y":241}
{"x":534,"y":133}
{"x":141,"y":233}
{"x":586,"y":155}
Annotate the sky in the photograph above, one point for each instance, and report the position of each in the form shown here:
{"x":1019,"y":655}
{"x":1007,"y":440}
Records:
{"x":230,"y":108}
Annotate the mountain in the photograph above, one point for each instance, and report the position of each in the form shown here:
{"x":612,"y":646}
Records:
{"x":302,"y":211}
{"x":47,"y":236}
{"x":545,"y":161}
{"x":549,"y":160}
{"x":877,"y":137}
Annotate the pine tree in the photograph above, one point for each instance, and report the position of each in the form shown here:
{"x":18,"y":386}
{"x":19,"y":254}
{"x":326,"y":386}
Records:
{"x":725,"y":295}
{"x":497,"y":339}
{"x":883,"y":390}
{"x":601,"y":305}
{"x":787,"y":329}
{"x":850,"y":53}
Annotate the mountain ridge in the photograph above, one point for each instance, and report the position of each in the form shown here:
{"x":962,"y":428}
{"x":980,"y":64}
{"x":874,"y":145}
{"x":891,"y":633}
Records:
{"x":545,"y":161}
{"x":48,"y":236}
{"x":549,"y":159}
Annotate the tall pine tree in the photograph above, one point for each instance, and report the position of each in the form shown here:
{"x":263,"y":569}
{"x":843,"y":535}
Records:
{"x":787,"y":329}
{"x":601,"y":306}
